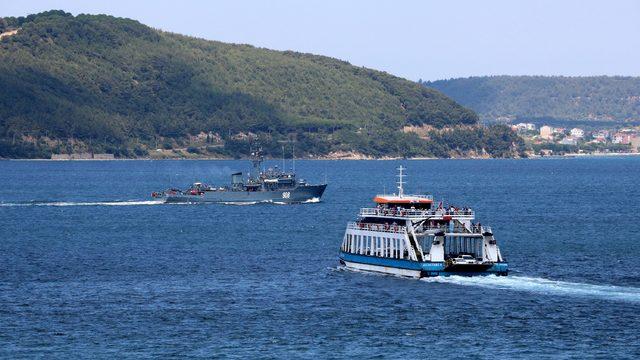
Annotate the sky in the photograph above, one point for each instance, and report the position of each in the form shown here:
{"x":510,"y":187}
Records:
{"x":428,"y":40}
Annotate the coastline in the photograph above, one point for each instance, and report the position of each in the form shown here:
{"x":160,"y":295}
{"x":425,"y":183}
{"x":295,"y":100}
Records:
{"x":350,"y":158}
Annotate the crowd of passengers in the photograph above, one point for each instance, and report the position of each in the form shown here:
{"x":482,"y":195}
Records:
{"x":448,"y":210}
{"x":393,"y":227}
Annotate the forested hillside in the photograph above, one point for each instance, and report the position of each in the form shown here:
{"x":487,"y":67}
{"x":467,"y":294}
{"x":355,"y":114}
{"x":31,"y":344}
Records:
{"x":104,"y":84}
{"x":599,"y":98}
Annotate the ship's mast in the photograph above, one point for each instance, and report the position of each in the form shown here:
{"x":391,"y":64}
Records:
{"x":283,"y":168}
{"x":256,"y":160}
{"x":400,"y":181}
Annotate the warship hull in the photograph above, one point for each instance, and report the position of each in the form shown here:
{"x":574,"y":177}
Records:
{"x":299,"y":194}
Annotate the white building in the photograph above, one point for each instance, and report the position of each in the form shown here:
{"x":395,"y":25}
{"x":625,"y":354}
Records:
{"x":577,"y":133}
{"x":546,"y":132}
{"x":525,"y":127}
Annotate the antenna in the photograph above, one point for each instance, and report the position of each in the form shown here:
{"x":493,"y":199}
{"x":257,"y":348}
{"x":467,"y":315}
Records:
{"x":400,"y":182}
{"x":293,"y":156}
{"x":283,"y":168}
{"x":325,"y":173}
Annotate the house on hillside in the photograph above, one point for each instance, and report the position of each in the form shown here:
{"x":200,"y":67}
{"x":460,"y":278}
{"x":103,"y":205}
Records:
{"x":546,"y":132}
{"x":569,"y":140}
{"x":525,"y":127}
{"x":577,"y":133}
{"x":622,"y":138}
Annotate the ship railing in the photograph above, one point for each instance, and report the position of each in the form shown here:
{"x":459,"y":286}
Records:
{"x":474,"y":230}
{"x":433,"y":228}
{"x":388,"y":228}
{"x":414,"y":213}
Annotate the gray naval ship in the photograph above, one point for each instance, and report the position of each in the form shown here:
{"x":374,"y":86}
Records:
{"x":261,"y":186}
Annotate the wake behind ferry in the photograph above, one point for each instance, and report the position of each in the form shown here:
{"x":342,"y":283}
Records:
{"x":406,"y":235}
{"x":271,"y":185}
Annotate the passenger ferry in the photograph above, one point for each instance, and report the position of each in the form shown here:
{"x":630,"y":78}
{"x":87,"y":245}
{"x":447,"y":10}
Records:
{"x":407,"y":235}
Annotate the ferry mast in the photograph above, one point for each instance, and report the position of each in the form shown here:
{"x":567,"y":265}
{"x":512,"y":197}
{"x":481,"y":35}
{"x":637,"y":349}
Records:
{"x":401,"y":181}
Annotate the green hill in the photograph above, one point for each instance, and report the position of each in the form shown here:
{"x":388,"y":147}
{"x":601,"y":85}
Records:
{"x":598,"y":98}
{"x":105,"y":84}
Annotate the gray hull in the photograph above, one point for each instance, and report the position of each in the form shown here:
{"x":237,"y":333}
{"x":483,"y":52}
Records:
{"x":298,"y":194}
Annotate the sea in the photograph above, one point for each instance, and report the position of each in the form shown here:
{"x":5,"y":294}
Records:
{"x":92,"y":267}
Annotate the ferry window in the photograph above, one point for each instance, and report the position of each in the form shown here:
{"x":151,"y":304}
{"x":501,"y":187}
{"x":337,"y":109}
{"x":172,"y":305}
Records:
{"x":353,"y":244}
{"x":385,"y":247}
{"x":367,"y":246}
{"x":374,"y":246}
{"x":371,"y":245}
{"x":348,"y":242}
{"x":394,"y":248}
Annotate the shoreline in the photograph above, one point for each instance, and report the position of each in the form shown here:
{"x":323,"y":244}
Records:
{"x":572,"y":155}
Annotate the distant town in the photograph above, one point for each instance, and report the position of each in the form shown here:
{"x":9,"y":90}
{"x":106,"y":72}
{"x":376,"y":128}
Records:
{"x":548,"y":140}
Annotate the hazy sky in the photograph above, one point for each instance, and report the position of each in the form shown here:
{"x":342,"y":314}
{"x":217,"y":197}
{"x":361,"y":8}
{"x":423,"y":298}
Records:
{"x":414,"y":39}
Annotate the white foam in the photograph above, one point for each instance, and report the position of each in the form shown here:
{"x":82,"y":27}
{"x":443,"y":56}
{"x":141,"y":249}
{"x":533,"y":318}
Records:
{"x":100,"y":203}
{"x":310,"y":201}
{"x":240,"y":202}
{"x":544,"y":286}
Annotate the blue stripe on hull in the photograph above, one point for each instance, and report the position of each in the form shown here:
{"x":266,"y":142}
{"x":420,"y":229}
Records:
{"x":426,"y":268}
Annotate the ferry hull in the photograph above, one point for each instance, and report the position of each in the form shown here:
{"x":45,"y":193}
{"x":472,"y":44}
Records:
{"x":416,"y":269}
{"x":299,"y":194}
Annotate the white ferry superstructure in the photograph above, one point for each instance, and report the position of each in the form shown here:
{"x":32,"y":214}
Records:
{"x":407,"y":235}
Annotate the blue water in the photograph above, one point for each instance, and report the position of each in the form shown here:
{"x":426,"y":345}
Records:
{"x":89,"y":267}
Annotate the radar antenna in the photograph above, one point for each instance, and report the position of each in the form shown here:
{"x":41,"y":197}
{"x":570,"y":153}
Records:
{"x":283,"y":164}
{"x":400,"y":181}
{"x":256,"y":161}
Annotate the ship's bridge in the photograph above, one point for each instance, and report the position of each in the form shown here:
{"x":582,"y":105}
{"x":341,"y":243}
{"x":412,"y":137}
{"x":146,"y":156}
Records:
{"x":434,"y":214}
{"x":400,"y":200}
{"x":414,"y":201}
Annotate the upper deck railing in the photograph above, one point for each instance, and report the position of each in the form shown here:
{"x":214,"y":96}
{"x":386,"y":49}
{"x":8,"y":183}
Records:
{"x":393,"y":228}
{"x":415,"y":213}
{"x":389,"y":228}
